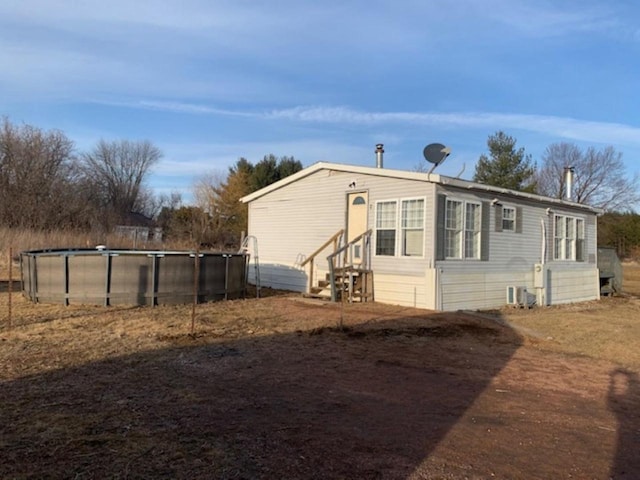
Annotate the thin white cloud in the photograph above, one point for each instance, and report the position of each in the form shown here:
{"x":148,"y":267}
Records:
{"x":562,"y":127}
{"x":549,"y":19}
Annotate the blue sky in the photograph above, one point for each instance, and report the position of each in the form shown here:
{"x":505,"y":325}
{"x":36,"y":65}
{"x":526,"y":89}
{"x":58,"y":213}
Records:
{"x":211,"y":81}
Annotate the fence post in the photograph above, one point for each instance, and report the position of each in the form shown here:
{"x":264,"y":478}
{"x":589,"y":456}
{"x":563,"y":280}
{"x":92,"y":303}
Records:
{"x":196,"y":278}
{"x":10,"y":285}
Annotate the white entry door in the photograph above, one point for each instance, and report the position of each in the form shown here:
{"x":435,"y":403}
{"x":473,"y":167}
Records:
{"x":357,"y":210}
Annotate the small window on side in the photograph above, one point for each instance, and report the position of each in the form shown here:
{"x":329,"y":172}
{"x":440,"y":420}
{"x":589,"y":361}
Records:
{"x":508,"y":219}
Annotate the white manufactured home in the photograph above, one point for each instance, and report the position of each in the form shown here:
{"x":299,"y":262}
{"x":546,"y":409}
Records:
{"x":421,"y":240}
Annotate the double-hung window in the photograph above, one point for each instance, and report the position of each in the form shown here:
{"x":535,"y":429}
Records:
{"x":453,"y":229}
{"x":508,"y":219}
{"x":462,"y":229}
{"x":386,"y":228}
{"x":400,"y":231}
{"x":412,"y":225}
{"x":568,"y":238}
{"x":472,"y":230}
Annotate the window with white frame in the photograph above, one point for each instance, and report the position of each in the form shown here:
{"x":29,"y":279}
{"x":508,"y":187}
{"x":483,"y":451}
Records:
{"x":472,"y":230}
{"x":568,"y":238}
{"x":412,"y":227}
{"x":508,"y":219}
{"x":453,"y":229}
{"x":462,"y":233}
{"x":400,"y":232}
{"x":386,"y":219}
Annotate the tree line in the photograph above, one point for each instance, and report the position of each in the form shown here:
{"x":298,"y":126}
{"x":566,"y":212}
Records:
{"x":45,"y":184}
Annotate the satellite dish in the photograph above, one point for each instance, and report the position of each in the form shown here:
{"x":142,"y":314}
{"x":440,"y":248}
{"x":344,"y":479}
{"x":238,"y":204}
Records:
{"x":436,"y":153}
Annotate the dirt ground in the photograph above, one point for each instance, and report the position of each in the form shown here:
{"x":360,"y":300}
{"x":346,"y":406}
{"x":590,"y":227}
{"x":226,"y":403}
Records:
{"x":276,"y":388}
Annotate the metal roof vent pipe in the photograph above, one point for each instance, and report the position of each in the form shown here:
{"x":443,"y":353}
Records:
{"x":568,"y":181}
{"x":379,"y":152}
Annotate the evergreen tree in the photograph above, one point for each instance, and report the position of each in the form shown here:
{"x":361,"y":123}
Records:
{"x":221,"y":197}
{"x":505,"y":166}
{"x":288,"y":166}
{"x":264,"y":173}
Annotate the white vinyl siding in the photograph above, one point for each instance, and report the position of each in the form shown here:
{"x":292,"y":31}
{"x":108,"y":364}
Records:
{"x":292,"y":221}
{"x":412,"y":225}
{"x":386,"y":228}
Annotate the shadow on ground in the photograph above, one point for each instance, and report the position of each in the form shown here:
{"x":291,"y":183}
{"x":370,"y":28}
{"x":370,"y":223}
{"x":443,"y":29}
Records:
{"x":624,"y":402}
{"x":370,"y":401}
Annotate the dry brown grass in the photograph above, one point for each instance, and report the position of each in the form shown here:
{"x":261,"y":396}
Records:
{"x":19,"y":240}
{"x":608,"y":329}
{"x":631,"y":278}
{"x":270,"y":388}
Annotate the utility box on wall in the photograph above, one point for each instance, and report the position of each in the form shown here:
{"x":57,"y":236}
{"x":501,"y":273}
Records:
{"x":541,"y":282}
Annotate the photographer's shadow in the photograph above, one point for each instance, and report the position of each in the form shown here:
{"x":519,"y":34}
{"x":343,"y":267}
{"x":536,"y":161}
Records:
{"x":624,"y":401}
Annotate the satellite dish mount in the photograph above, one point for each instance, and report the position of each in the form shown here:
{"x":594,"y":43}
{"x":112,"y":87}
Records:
{"x":435,"y":153}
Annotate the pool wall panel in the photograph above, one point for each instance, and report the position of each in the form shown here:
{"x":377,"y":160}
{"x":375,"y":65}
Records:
{"x":129,"y":277}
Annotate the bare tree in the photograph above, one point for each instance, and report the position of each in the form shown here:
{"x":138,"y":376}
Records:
{"x":37,"y":175}
{"x":219,"y":198}
{"x":115,"y":172}
{"x":600,"y":177}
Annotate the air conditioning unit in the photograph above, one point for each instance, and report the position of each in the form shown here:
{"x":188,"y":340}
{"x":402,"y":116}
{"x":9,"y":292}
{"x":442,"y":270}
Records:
{"x":517,"y":296}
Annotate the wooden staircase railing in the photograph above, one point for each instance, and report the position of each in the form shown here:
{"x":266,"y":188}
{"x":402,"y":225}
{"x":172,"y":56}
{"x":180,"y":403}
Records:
{"x":335,"y":239}
{"x":358,"y":278}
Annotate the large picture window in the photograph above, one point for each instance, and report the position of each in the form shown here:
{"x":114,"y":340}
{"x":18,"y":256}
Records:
{"x":568,"y":238}
{"x":462,"y":229}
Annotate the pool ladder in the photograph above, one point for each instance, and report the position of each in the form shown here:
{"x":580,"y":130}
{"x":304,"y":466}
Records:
{"x":250,"y":246}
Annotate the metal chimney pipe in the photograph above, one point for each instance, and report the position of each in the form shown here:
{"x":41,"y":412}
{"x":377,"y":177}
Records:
{"x":568,"y":179}
{"x":379,"y":152}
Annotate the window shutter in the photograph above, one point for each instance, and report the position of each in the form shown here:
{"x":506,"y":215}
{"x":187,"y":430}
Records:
{"x":440,"y":213}
{"x":589,"y":225}
{"x":498,"y":211}
{"x":518,"y":219}
{"x":484,"y":232}
{"x":580,"y":250}
{"x":551,"y":233}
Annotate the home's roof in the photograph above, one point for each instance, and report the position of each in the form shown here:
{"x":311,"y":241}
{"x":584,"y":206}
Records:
{"x":407,"y":175}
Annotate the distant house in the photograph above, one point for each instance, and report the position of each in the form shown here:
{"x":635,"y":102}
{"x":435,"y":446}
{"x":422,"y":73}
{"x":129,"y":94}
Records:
{"x":422,"y":240}
{"x":139,"y":228}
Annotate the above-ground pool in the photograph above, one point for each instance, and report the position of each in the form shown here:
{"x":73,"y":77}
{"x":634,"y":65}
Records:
{"x":132,"y":277}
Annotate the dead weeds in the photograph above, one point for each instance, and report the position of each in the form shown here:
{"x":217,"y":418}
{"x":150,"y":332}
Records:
{"x":281,"y":387}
